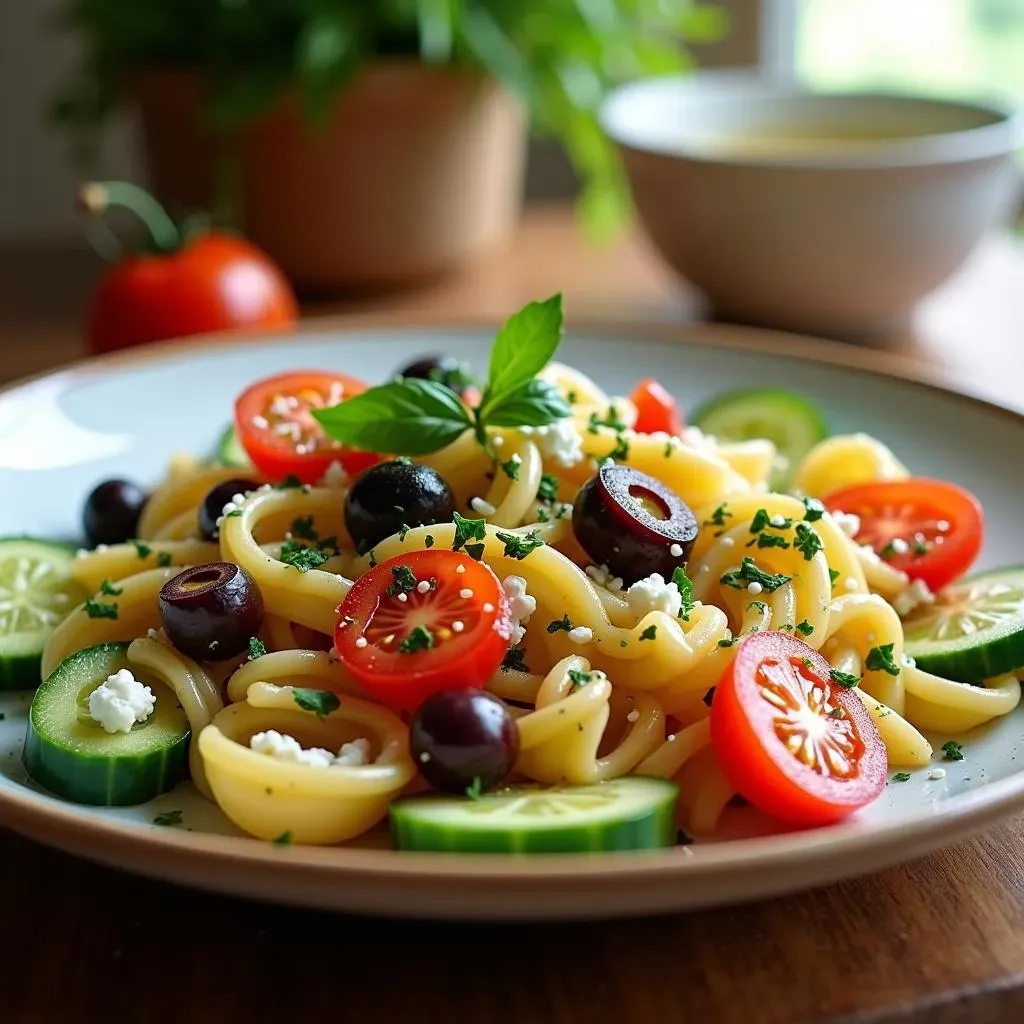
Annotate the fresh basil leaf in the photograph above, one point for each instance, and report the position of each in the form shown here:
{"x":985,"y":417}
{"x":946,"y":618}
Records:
{"x":536,"y":404}
{"x":406,"y":417}
{"x":523,"y":347}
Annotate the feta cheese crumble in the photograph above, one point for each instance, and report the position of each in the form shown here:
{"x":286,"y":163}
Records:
{"x":121,"y":701}
{"x":912,"y":596}
{"x":287,"y":748}
{"x":848,"y":523}
{"x":696,"y":438}
{"x":603,"y":577}
{"x":937,"y":773}
{"x":559,"y":441}
{"x":581,"y":635}
{"x":676,"y":550}
{"x":521,"y":605}
{"x":334,"y":476}
{"x":755,"y":588}
{"x":654,"y":593}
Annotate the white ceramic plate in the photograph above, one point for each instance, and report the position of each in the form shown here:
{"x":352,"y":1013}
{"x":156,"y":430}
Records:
{"x":125,"y":416}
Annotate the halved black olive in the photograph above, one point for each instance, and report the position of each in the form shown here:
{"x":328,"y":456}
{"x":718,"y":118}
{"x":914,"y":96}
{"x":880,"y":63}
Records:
{"x":211,"y":611}
{"x":213,"y":504}
{"x":632,"y":523}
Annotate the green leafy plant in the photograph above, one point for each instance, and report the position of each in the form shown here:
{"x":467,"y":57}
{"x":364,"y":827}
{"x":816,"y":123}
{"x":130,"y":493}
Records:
{"x":558,"y":56}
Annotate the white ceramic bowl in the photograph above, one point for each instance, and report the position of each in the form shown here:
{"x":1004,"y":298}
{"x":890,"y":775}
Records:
{"x":839,"y":238}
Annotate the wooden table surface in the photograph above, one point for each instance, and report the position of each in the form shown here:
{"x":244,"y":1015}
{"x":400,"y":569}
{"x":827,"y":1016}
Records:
{"x":939,"y":940}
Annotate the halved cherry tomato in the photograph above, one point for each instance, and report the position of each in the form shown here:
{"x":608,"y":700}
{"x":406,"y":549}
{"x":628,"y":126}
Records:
{"x":656,"y":409}
{"x":403,"y":645}
{"x":795,"y":744}
{"x":276,"y":427}
{"x":929,"y":529}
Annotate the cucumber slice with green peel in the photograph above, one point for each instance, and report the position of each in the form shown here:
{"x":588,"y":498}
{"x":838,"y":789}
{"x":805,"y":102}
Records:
{"x":37,"y":592}
{"x":71,"y":755}
{"x":230,"y":452}
{"x":974,"y":630}
{"x":631,"y":813}
{"x":792,"y":422}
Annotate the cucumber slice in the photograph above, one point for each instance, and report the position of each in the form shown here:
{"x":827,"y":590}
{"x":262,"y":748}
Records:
{"x":230,"y":452}
{"x":792,"y":422}
{"x":974,"y":630}
{"x":37,"y":592}
{"x":631,"y":813}
{"x":72,"y":756}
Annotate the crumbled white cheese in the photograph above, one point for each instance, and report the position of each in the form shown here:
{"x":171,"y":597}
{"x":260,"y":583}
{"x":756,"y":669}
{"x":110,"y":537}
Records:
{"x":581,"y":635}
{"x":633,"y":716}
{"x":121,"y":701}
{"x":361,"y":641}
{"x":286,"y":748}
{"x":423,"y":586}
{"x":755,"y":588}
{"x":851,"y":584}
{"x":848,"y":523}
{"x":912,"y":596}
{"x":466,"y":593}
{"x":458,"y":626}
{"x":521,"y":605}
{"x":558,"y":441}
{"x":335,"y":475}
{"x":488,"y":607}
{"x":654,"y":593}
{"x":696,"y":438}
{"x":778,"y":521}
{"x":899,"y":546}
{"x":603,"y":577}
{"x":676,"y":550}
{"x":942,"y":526}
{"x":937,"y":773}
{"x":482,"y":506}
{"x":727,"y":542}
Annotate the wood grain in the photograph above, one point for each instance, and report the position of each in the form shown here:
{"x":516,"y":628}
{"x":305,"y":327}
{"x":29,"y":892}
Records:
{"x":937,"y":940}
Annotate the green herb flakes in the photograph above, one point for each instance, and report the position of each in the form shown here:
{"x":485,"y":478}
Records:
{"x":108,"y":588}
{"x":257,"y":648}
{"x":168,"y":818}
{"x":805,"y":627}
{"x":303,"y":527}
{"x":101,"y":609}
{"x":807,"y":541}
{"x":511,"y":467}
{"x":298,"y":556}
{"x":320,"y":702}
{"x":519,"y":546}
{"x":514,"y":661}
{"x":748,"y":572}
{"x":845,"y":679}
{"x":880,"y":659}
{"x":404,"y":581}
{"x":901,"y":777}
{"x":467,"y":530}
{"x":418,"y":639}
{"x":562,"y":625}
{"x":141,"y":549}
{"x":952,"y":751}
{"x":650,"y":633}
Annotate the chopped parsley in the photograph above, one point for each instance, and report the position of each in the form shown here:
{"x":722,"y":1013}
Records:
{"x":888,"y":551}
{"x":762,"y":521}
{"x":548,"y":489}
{"x":684,"y":585}
{"x":807,"y":541}
{"x":729,"y":640}
{"x":621,"y":450}
{"x":302,"y":527}
{"x":168,"y":818}
{"x":418,"y":639}
{"x":808,"y":664}
{"x":920,"y":546}
{"x":514,"y":661}
{"x":404,"y":580}
{"x":562,"y":625}
{"x":758,"y":606}
{"x":428,"y":541}
{"x":142,"y":550}
{"x":748,"y":572}
{"x":257,"y":648}
{"x":833,"y":575}
{"x":880,"y":659}
{"x":769,"y":540}
{"x":579,"y":678}
{"x":719,"y":516}
{"x":837,"y":713}
{"x":164,"y":559}
{"x":805,"y":627}
{"x":234,"y":513}
{"x":543,"y":516}
{"x":467,"y":530}
{"x":100,"y":609}
{"x":667,"y":453}
{"x":952,"y":751}
{"x":108,"y":588}
{"x":650,"y":633}
{"x":320,"y":702}
{"x":814,"y":509}
{"x":901,"y":777}
{"x":475,"y":789}
{"x":298,"y":556}
{"x":511,"y":468}
{"x":284,"y":839}
{"x":845,"y":679}
{"x":403,"y":531}
{"x":519,"y":547}
{"x":291,"y":480}
{"x":610,"y":420}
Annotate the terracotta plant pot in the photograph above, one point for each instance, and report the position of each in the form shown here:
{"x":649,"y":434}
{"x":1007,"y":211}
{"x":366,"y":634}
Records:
{"x":416,"y":170}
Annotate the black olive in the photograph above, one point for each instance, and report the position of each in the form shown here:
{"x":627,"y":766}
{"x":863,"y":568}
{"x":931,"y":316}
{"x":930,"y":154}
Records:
{"x":213,"y":504}
{"x":211,"y":611}
{"x":446,"y":370}
{"x":632,"y":523}
{"x":112,"y":510}
{"x":391,"y":495}
{"x":458,"y":736}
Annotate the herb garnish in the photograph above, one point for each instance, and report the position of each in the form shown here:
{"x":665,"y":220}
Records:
{"x":164,"y":559}
{"x":418,"y":639}
{"x":814,"y":509}
{"x":428,"y":541}
{"x":805,"y":627}
{"x":404,"y":580}
{"x":300,"y":557}
{"x":519,"y":547}
{"x":762,"y":521}
{"x":610,"y":419}
{"x":833,"y":575}
{"x":141,"y":549}
{"x":511,"y":467}
{"x":578,"y":678}
{"x":415,"y":417}
{"x":845,"y":679}
{"x":769,"y":540}
{"x":100,"y":609}
{"x":650,"y":633}
{"x":621,"y":450}
{"x":748,"y":572}
{"x":467,"y":530}
{"x":901,"y":777}
{"x":168,"y":818}
{"x":475,"y":789}
{"x":880,"y":659}
{"x":952,"y":751}
{"x":514,"y":661}
{"x":291,"y":480}
{"x":807,"y":541}
{"x":108,"y":588}
{"x":562,"y":625}
{"x":320,"y":702}
{"x":684,"y":585}
{"x":548,"y":489}
{"x":257,"y":648}
{"x":284,"y":839}
{"x":719,"y":516}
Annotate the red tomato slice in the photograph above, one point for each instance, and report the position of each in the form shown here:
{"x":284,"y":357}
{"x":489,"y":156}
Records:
{"x":929,"y":529}
{"x":656,"y":409}
{"x":780,"y":741}
{"x":403,"y":645}
{"x":274,"y":421}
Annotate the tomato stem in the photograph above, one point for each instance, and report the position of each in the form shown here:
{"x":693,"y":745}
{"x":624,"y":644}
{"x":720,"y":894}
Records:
{"x":96,"y":197}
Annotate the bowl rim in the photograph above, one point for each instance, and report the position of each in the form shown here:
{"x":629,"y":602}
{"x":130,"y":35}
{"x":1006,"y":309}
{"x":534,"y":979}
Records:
{"x":997,"y":139}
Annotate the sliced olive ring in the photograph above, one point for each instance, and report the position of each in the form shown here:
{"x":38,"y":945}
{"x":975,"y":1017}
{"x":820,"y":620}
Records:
{"x":211,"y":611}
{"x":633,"y":524}
{"x":213,"y":504}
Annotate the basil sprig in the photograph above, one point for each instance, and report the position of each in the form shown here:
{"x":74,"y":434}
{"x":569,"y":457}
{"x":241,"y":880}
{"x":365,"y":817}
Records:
{"x":410,"y":416}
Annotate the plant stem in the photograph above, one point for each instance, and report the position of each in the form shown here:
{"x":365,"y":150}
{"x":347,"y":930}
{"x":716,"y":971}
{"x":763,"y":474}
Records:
{"x":98,"y":196}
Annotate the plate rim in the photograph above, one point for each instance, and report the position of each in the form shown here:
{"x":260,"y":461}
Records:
{"x":45,"y":817}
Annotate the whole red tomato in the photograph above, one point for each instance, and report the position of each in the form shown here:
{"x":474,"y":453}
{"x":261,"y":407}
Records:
{"x":200,"y":283}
